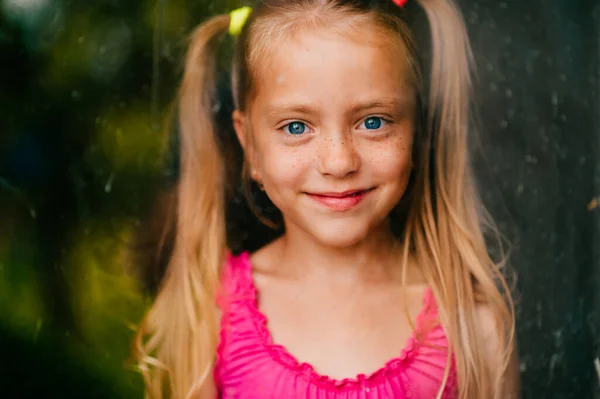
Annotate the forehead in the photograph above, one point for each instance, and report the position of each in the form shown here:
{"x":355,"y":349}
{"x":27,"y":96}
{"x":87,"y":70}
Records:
{"x":325,"y":67}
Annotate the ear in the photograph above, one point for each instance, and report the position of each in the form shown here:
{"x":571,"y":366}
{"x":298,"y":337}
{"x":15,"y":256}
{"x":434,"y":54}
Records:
{"x":239,"y":125}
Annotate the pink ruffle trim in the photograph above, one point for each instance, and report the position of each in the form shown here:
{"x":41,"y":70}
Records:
{"x":279,"y":352}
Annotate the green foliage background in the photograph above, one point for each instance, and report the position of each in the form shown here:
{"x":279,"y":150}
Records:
{"x":85,"y":90}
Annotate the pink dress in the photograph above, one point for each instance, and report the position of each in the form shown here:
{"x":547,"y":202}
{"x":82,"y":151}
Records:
{"x":250,"y":366}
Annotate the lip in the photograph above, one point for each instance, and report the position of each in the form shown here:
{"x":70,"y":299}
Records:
{"x":340,"y":201}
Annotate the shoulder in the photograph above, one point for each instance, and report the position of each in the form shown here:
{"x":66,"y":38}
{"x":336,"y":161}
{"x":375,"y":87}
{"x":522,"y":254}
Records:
{"x":239,"y":270}
{"x":488,"y":328}
{"x":494,"y":348}
{"x":235,"y":265}
{"x":235,"y":277}
{"x":265,"y":260}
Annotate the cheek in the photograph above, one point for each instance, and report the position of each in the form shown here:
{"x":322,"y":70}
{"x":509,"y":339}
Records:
{"x":391,"y":160}
{"x":283,"y":167}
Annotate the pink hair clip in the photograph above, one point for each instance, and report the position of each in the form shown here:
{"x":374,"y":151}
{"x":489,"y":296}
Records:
{"x":400,"y":3}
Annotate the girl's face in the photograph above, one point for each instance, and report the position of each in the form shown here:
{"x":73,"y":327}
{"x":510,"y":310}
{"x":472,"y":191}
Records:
{"x":329,"y":133}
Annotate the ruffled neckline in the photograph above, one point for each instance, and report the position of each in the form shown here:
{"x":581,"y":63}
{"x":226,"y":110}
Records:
{"x":283,"y":356}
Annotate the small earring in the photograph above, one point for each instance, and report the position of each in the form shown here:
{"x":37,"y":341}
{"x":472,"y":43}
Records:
{"x":260,"y":186}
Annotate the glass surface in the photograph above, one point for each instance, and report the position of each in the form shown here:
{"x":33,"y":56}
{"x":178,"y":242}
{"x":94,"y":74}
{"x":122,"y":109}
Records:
{"x":85,"y":92}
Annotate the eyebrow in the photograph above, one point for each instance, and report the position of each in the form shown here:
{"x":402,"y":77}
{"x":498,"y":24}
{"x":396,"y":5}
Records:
{"x":276,"y":109}
{"x":310,"y":109}
{"x":395,"y":102}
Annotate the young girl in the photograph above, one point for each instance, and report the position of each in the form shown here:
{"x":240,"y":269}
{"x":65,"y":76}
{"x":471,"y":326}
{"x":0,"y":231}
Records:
{"x":379,"y":284}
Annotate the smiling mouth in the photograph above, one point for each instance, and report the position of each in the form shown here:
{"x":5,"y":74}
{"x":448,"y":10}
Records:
{"x":340,"y":201}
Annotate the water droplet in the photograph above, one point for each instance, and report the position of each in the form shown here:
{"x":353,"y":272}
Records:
{"x":531,"y":159}
{"x":520,"y":189}
{"x":109,"y":183}
{"x":522,"y":367}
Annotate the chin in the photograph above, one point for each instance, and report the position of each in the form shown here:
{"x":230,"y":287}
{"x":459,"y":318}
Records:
{"x":339,"y":236}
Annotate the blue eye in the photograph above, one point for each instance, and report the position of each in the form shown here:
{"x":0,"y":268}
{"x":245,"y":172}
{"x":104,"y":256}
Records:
{"x":373,"y":123}
{"x":295,"y":128}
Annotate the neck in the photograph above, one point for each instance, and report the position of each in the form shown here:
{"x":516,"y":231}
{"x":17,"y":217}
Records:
{"x":376,"y":259}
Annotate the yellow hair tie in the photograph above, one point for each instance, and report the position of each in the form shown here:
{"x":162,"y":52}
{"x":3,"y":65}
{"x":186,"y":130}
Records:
{"x":238,"y":20}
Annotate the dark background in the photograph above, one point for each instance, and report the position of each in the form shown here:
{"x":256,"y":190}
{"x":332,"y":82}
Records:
{"x":85,"y":87}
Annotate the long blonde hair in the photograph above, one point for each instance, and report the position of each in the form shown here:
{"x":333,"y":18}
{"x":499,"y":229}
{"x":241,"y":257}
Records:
{"x":442,"y":219}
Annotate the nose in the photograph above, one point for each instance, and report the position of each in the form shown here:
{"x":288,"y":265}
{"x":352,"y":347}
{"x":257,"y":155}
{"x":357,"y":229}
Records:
{"x":337,"y":155}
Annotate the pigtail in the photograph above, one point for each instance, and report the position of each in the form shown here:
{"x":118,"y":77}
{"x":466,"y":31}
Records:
{"x":177,"y":341}
{"x":446,"y":227}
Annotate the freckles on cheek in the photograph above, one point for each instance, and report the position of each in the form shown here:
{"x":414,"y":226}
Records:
{"x":392,"y":158}
{"x":282,"y":167}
